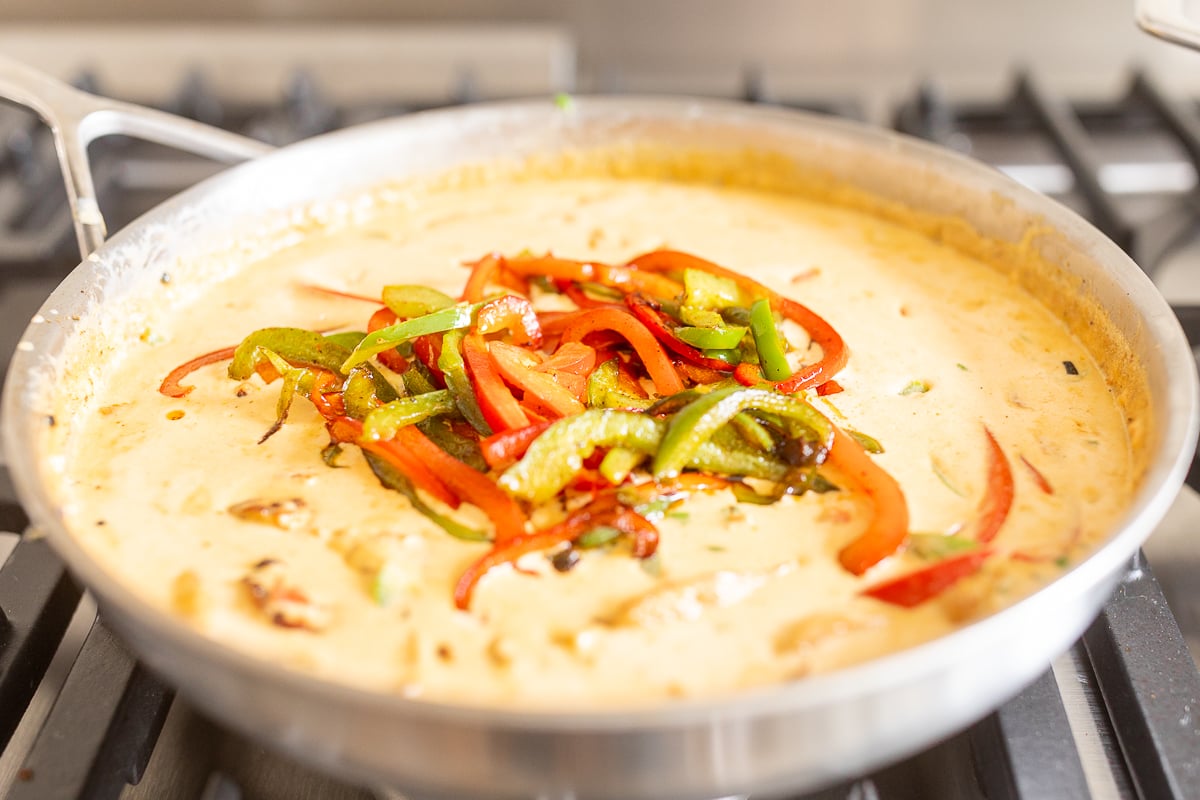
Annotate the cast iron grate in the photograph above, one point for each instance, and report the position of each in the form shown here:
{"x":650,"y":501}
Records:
{"x":1133,"y":662}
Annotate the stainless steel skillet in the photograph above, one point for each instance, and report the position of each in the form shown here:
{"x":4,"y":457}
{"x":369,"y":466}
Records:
{"x":786,"y":738}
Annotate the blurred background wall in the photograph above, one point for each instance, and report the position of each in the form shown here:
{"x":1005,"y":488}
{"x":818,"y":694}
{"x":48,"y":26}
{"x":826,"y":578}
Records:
{"x":708,"y":45}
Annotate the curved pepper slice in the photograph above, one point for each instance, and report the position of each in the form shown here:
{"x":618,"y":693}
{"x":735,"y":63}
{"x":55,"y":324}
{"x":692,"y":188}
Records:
{"x":657,"y":322}
{"x":171,"y":386}
{"x":454,"y":372}
{"x":833,"y":348}
{"x":768,"y":342}
{"x":511,"y":313}
{"x":603,"y":511}
{"x":397,"y":481}
{"x":389,"y":358}
{"x":461,"y":315}
{"x":499,"y":407}
{"x":468,"y":484}
{"x":294,"y":345}
{"x":346,"y":429}
{"x":887,"y":529}
{"x":998,"y":500}
{"x":558,"y":455}
{"x":696,"y":423}
{"x":662,"y":372}
{"x":916,"y":587}
{"x":408,"y":301}
{"x":484,"y":272}
{"x":383,"y":422}
{"x":519,"y":367}
{"x":504,"y":449}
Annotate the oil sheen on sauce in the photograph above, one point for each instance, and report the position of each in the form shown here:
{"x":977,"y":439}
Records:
{"x":746,"y":595}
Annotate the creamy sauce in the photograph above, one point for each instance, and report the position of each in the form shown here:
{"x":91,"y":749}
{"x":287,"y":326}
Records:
{"x":747,"y":595}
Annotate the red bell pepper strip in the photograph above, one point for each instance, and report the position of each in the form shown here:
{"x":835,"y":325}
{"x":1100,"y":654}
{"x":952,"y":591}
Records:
{"x":513,"y":314}
{"x":580,"y":297}
{"x":171,"y":386}
{"x":659,"y":324}
{"x":573,"y":357}
{"x":603,"y":511}
{"x":887,"y":529}
{"x":916,"y":587}
{"x":429,"y":350}
{"x":468,"y":484}
{"x":657,"y":364}
{"x":645,"y":535}
{"x":484,"y":272}
{"x":499,"y":407}
{"x":346,"y":429}
{"x":389,"y":358}
{"x":999,"y":497}
{"x":326,"y":395}
{"x":517,"y":367}
{"x":501,"y":450}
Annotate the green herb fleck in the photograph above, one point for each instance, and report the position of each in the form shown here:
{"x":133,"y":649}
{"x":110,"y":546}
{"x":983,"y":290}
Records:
{"x":716,"y":548}
{"x":916,"y":387}
{"x":564,"y":101}
{"x":869,"y":443}
{"x":936,"y":546}
{"x":963,"y":367}
{"x":1062,"y":562}
{"x":682,"y":516}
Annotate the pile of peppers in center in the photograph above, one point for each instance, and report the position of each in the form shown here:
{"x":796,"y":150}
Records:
{"x":672,"y":375}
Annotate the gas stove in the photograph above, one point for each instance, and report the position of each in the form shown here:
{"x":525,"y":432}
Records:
{"x":1117,"y":716}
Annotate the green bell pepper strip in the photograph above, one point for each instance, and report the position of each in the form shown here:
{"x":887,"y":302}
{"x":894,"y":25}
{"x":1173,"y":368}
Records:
{"x":407,"y":301}
{"x":383,"y":422}
{"x":696,"y":423}
{"x":416,"y":379}
{"x":454,"y":371}
{"x":700,"y":317}
{"x":347,"y":339}
{"x":295,"y":380}
{"x":604,"y":389}
{"x":705,"y":290}
{"x":768,"y":341}
{"x":391,"y":478}
{"x":555,"y":457}
{"x":464,"y":448}
{"x":363,"y":396}
{"x":724,"y":338}
{"x":461,"y":315}
{"x":618,"y":463}
{"x":365,"y":390}
{"x":294,"y":345}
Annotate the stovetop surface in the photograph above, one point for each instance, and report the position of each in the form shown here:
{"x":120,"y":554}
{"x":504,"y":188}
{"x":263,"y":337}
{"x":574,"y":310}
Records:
{"x":1129,"y":170}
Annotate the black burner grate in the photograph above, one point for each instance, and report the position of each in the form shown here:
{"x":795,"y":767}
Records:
{"x":1133,"y":663}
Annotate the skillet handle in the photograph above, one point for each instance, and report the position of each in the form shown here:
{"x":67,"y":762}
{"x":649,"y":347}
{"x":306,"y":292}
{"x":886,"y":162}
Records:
{"x":1169,"y":20}
{"x":77,"y":118}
